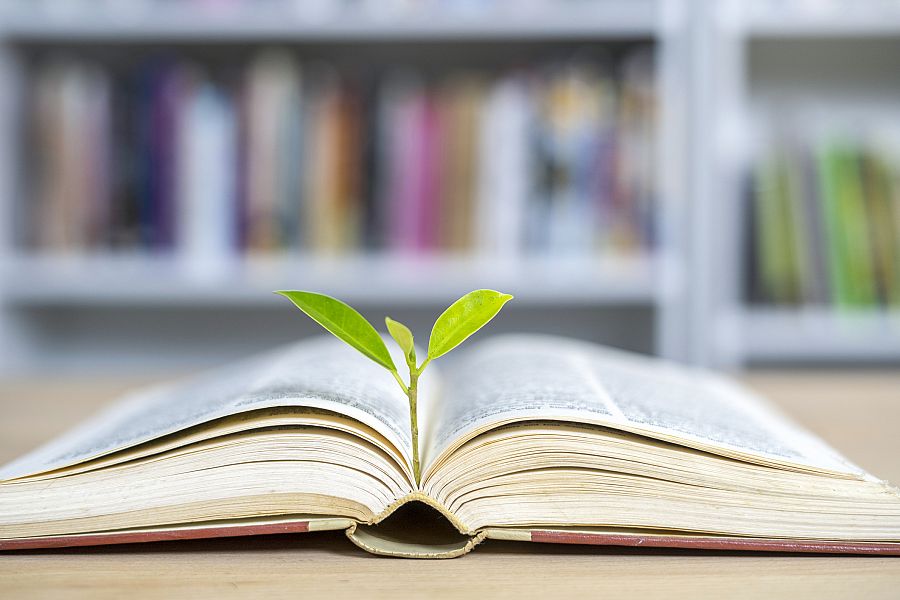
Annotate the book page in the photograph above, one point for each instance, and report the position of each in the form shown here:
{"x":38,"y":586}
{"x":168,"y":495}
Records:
{"x":516,"y":378}
{"x":321,"y":373}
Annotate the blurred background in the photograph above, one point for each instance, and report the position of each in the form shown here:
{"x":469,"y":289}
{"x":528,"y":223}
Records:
{"x":712,"y":181}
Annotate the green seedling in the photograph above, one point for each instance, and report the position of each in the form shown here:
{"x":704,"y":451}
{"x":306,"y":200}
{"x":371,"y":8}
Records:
{"x":461,"y":319}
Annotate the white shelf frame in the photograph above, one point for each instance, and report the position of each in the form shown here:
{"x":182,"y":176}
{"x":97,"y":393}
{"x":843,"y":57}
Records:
{"x":609,"y":19}
{"x":815,"y":334}
{"x":833,"y":20}
{"x":136,"y":280}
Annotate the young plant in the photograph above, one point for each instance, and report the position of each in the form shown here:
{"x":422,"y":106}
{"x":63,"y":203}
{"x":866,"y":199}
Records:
{"x":463,"y":318}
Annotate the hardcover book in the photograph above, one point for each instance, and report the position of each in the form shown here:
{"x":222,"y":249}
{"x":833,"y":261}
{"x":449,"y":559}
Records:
{"x":522,"y":438}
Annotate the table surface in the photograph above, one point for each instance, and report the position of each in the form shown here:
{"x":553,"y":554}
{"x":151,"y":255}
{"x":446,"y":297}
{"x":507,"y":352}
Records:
{"x":857,"y":412}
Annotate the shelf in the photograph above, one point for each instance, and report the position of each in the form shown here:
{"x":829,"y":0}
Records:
{"x":37,"y":281}
{"x":608,"y":18}
{"x":824,"y":21}
{"x":821,"y":334}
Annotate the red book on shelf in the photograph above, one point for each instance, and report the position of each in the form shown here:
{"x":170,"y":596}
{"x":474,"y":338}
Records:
{"x":429,"y":196}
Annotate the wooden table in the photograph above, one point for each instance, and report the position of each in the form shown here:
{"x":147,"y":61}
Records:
{"x":856,"y":412}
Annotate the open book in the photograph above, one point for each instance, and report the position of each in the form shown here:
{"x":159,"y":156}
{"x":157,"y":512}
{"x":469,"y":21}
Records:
{"x":523,"y":438}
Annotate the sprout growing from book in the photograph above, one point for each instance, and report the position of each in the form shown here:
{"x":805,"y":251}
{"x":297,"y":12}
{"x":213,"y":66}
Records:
{"x":463,"y":318}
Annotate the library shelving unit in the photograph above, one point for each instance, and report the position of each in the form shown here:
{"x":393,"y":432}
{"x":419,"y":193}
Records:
{"x":131,"y":311}
{"x":752,"y":56}
{"x":719,"y":64}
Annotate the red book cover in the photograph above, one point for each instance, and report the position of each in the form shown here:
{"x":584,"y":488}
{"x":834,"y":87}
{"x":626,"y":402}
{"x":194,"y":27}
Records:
{"x":547,"y":536}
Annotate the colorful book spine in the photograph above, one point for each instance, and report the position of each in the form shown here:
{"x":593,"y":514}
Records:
{"x":293,"y":157}
{"x":205,"y":195}
{"x":72,"y":180}
{"x":826,"y":228}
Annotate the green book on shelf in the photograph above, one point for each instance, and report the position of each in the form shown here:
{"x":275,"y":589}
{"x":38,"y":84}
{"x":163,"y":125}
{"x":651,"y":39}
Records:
{"x":775,"y":243}
{"x":847,"y":224}
{"x":883,"y":222}
{"x":763,"y":206}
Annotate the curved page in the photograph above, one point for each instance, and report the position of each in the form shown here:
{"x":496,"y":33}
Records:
{"x":321,"y":373}
{"x":517,"y":378}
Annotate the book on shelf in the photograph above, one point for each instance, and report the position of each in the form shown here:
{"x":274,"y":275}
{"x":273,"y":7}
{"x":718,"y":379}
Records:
{"x":524,"y":438}
{"x":826,"y":222}
{"x":274,"y":154}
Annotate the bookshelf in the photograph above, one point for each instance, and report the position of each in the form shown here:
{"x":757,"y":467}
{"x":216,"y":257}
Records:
{"x":720,"y":68}
{"x":828,"y":62}
{"x":123,"y":309}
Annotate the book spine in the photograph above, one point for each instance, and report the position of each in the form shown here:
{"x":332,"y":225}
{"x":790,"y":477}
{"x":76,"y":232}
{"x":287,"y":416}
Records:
{"x":207,"y":146}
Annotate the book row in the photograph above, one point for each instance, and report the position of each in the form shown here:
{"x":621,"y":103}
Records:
{"x":825,"y":217}
{"x":283,"y":155}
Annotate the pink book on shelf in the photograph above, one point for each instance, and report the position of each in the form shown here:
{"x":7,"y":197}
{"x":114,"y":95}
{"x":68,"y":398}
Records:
{"x":405,"y":172}
{"x":429,"y":196}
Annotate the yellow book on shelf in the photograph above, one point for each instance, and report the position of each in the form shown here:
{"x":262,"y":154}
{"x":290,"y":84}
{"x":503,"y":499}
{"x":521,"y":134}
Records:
{"x":321,"y":192}
{"x":272,"y":93}
{"x":460,"y":107}
{"x":884,"y":222}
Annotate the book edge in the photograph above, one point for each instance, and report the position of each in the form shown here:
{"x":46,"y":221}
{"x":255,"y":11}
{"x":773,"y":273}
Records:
{"x":693,"y":542}
{"x":163,"y":534}
{"x":549,"y":536}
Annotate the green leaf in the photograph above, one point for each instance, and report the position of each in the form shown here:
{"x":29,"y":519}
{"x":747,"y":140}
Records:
{"x":463,"y":318}
{"x":403,"y":336}
{"x":344,"y":322}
